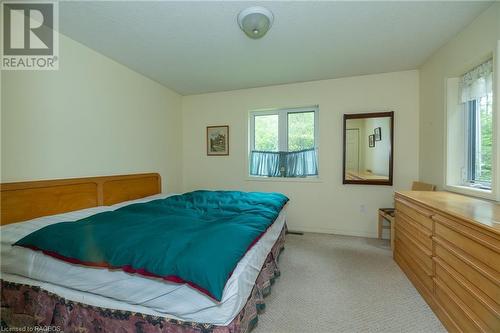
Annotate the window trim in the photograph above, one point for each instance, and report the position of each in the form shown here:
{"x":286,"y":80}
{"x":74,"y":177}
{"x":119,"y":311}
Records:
{"x":282,"y":134}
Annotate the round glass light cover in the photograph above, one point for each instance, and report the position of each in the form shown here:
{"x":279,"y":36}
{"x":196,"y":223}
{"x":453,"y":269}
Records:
{"x":255,"y":25}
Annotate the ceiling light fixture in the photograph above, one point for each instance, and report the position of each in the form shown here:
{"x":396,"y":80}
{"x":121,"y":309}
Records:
{"x":255,"y":21}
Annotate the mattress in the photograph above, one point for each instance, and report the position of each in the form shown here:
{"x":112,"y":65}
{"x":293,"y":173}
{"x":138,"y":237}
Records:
{"x":123,"y":291}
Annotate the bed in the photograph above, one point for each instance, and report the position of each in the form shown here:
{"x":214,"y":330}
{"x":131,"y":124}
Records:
{"x":40,"y":290}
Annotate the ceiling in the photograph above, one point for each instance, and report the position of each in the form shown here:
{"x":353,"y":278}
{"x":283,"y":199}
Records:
{"x":197,"y":47}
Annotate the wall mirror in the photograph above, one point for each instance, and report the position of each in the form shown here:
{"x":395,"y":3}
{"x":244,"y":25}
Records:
{"x":368,"y":147}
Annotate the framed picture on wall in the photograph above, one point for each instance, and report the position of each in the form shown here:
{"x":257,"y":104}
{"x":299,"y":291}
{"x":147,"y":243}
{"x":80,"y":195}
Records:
{"x":218,"y":140}
{"x":378,"y":133}
{"x":371,"y":140}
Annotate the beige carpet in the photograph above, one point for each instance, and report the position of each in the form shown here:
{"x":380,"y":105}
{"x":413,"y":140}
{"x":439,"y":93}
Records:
{"x":343,"y":284}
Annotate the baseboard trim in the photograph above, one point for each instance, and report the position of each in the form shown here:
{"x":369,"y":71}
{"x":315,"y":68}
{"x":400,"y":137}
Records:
{"x":335,"y":231}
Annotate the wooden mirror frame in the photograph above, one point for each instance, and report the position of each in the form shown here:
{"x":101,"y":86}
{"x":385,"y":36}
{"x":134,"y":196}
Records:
{"x":387,"y":182}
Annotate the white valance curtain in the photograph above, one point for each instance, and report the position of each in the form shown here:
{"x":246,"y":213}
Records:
{"x":477,"y":83}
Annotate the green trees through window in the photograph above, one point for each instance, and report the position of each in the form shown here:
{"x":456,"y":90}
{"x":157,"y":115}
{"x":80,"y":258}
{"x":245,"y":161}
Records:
{"x":484,"y":159}
{"x":300,"y":131}
{"x":266,"y":133}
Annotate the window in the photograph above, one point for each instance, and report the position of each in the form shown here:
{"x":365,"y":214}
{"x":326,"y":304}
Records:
{"x":266,"y":133}
{"x":470,"y":153}
{"x":479,"y":122}
{"x":283,"y":143}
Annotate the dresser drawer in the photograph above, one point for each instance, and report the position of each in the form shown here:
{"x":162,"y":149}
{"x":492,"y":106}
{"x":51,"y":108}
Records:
{"x":414,"y":265}
{"x":477,"y":273}
{"x":419,"y":214}
{"x":419,"y":233}
{"x":482,"y":236}
{"x":457,"y":310}
{"x":476,"y":301}
{"x":415,"y":249}
{"x":482,"y":251}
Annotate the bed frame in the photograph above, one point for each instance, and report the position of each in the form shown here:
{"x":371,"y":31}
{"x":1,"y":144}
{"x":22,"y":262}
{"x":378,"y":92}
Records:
{"x":23,"y":201}
{"x":25,"y":305}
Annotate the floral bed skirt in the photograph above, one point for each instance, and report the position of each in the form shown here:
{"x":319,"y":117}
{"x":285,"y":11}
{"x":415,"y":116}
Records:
{"x":28,"y":308}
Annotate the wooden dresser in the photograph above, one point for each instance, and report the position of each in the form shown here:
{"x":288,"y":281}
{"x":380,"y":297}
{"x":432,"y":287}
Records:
{"x":449,"y":247}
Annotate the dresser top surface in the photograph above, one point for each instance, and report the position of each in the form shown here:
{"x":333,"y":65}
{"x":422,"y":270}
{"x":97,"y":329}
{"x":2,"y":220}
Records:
{"x":480,"y":212}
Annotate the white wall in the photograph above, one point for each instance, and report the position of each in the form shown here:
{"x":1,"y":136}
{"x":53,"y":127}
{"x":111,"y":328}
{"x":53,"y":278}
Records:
{"x":377,"y":158}
{"x":321,"y":206}
{"x":91,"y":117}
{"x":475,"y":44}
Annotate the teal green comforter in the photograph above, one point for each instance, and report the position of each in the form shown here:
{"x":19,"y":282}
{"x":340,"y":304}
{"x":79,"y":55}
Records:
{"x":196,"y":238}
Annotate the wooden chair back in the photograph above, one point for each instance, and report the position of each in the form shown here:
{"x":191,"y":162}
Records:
{"x":419,"y":186}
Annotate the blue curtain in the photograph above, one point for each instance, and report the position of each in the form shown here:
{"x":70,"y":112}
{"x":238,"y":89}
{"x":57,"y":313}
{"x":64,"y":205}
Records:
{"x":284,"y":164}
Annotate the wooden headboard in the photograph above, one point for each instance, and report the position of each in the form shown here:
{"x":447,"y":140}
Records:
{"x":27,"y":200}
